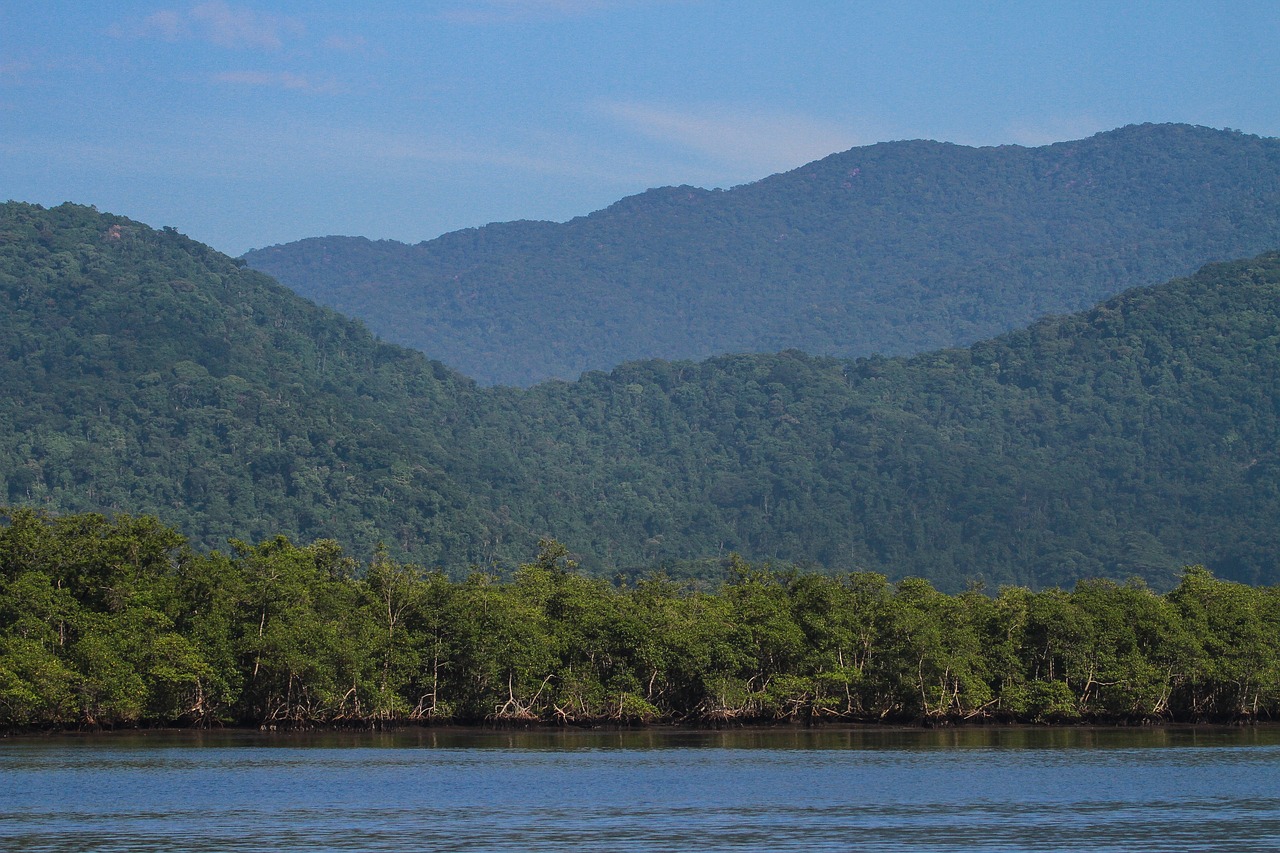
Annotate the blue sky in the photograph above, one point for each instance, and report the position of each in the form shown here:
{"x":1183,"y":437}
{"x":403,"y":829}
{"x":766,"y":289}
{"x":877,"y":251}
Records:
{"x":247,"y":124}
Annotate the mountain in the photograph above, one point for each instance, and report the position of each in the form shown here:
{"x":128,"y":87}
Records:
{"x":145,"y":372}
{"x":1128,"y":440}
{"x":896,"y":248}
{"x":148,"y":373}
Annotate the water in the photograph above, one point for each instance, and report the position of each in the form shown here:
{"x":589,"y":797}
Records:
{"x":963,"y":790}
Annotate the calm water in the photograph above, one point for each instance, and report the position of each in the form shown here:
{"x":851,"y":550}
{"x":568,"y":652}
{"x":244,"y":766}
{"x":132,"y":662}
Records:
{"x":1009,"y":789}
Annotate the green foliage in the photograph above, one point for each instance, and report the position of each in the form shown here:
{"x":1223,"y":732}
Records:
{"x":145,"y":372}
{"x":278,"y":634}
{"x":895,"y":248}
{"x":1123,"y":441}
{"x":89,"y":611}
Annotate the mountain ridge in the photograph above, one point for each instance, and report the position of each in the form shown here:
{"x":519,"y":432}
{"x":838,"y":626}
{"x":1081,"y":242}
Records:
{"x":893,"y":248}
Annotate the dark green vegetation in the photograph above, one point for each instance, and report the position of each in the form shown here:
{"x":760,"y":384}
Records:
{"x":1127,"y":440}
{"x":894,"y":248}
{"x":109,"y":623}
{"x":142,"y":370}
{"x":149,"y":374}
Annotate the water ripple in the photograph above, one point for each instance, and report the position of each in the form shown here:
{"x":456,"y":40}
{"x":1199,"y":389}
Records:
{"x":129,"y":795}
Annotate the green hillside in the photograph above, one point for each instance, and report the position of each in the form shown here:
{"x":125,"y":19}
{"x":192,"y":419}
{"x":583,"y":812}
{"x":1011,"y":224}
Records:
{"x":1127,"y":440}
{"x":147,"y":373}
{"x":896,"y":248}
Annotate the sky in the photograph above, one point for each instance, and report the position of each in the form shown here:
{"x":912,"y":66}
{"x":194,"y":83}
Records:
{"x":246,"y":124}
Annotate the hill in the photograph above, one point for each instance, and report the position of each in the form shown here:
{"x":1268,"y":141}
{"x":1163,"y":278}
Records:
{"x":1127,"y":440}
{"x":148,"y":373}
{"x":896,"y":248}
{"x":145,"y":372}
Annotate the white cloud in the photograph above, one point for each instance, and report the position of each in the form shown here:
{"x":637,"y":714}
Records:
{"x":752,"y":141}
{"x":216,"y":22}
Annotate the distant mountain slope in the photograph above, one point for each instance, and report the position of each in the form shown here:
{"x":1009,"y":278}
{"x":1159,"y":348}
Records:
{"x":894,"y":248}
{"x":145,"y":372}
{"x":1128,"y":440}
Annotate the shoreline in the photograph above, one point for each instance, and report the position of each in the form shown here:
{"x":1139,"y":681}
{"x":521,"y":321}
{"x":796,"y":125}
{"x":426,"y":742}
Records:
{"x":661,"y":729}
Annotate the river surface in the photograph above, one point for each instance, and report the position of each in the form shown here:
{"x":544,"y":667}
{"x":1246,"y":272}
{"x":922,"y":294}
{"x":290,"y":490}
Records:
{"x":1169,"y":789}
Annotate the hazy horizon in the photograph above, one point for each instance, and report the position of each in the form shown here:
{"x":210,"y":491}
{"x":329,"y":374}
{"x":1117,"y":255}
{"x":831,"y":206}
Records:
{"x":247,"y":125}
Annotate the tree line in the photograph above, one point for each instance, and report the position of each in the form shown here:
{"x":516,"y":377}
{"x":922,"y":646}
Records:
{"x":108,"y":622}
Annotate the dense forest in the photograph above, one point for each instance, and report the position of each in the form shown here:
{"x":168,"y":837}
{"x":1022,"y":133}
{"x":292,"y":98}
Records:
{"x":895,"y":248}
{"x":1127,"y":440}
{"x":148,"y":374}
{"x":144,"y":371}
{"x":117,"y":622}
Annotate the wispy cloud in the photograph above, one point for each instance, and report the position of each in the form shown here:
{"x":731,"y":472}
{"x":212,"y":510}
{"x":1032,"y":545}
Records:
{"x":231,"y":26}
{"x":740,"y":139}
{"x":216,"y":22}
{"x":280,"y":80}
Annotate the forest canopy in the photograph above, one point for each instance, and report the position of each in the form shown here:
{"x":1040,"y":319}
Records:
{"x":148,"y":374}
{"x":117,"y":622}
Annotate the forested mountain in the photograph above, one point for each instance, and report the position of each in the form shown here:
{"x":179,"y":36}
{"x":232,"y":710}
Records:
{"x":895,"y":248}
{"x":147,"y":373}
{"x":1127,"y":440}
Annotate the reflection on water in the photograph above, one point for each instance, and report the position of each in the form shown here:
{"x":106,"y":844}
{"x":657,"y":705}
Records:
{"x":859,"y":789}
